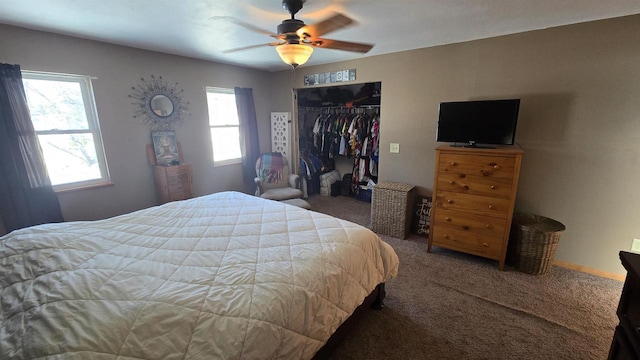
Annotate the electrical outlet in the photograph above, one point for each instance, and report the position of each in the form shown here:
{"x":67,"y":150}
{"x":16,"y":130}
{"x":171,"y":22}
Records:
{"x":635,"y":245}
{"x":394,"y":148}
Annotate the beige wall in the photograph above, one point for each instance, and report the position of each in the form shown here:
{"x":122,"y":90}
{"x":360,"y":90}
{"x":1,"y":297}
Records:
{"x":117,"y":69}
{"x":579,"y":87}
{"x":578,"y":122}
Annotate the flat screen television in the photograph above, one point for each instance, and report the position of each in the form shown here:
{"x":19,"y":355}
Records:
{"x":472,"y":123}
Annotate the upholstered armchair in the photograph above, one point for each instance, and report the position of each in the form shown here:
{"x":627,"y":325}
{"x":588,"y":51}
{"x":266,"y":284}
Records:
{"x":274,"y":179}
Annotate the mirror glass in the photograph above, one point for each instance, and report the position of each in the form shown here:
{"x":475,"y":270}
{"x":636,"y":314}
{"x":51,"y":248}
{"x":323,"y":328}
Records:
{"x":161,"y":105}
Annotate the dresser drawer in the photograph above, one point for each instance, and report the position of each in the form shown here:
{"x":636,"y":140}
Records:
{"x":473,"y":204}
{"x":177,"y":172}
{"x":479,"y":165}
{"x":469,"y":242}
{"x":180,"y":188}
{"x":476,"y":185}
{"x":173,"y":182}
{"x":179,"y":179}
{"x":485,"y":225}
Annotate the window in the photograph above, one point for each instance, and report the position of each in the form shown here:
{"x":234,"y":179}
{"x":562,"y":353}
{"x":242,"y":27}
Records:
{"x":65,"y":119}
{"x":224,"y":125}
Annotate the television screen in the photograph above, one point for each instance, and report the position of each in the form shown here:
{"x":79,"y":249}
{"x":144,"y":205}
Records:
{"x":478,"y":122}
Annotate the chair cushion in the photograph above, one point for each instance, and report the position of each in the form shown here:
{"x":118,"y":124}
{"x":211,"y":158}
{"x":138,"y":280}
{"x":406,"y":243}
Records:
{"x":298,"y":202}
{"x":281,"y":194}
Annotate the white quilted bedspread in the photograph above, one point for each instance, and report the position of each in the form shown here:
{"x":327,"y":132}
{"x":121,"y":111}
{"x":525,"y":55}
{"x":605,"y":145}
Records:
{"x":224,"y":276}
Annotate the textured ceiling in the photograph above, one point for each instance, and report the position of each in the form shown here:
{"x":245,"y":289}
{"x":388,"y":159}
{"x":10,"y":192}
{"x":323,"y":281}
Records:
{"x":204,"y":28}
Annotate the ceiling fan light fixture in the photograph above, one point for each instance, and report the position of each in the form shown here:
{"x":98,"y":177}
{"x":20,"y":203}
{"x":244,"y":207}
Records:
{"x":294,"y":54}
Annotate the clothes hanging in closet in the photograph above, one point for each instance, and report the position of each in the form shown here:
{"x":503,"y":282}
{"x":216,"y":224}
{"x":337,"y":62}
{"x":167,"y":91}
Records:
{"x":349,"y":132}
{"x":311,"y":167}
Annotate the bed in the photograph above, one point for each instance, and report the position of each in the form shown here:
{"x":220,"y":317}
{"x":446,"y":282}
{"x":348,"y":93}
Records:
{"x":223,"y":276}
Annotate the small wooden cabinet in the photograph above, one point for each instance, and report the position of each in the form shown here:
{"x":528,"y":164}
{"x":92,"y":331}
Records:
{"x":473,"y":198}
{"x":626,"y":339}
{"x":173,"y":182}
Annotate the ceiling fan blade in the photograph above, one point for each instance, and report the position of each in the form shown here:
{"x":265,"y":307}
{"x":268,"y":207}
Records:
{"x":342,"y":45}
{"x":333,"y":23}
{"x":252,"y":27}
{"x":250,"y":47}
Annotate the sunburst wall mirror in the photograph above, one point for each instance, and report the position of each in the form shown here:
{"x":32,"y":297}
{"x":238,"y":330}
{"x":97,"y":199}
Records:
{"x":158,"y":104}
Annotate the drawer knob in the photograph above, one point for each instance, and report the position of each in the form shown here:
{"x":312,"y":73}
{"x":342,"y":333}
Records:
{"x":462,"y":176}
{"x":496,"y":167}
{"x":465,"y":228}
{"x":453,"y":163}
{"x":446,"y":236}
{"x":450,"y":201}
{"x":451,"y":182}
{"x":448,"y":218}
{"x":493,"y":187}
{"x":485,"y":244}
{"x":491,"y":207}
{"x":488,"y":226}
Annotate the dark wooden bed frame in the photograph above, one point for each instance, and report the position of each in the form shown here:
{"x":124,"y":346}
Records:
{"x":374,"y":300}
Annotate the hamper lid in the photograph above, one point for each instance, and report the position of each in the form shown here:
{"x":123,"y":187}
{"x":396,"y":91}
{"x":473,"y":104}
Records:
{"x":533,"y":222}
{"x":390,"y":185}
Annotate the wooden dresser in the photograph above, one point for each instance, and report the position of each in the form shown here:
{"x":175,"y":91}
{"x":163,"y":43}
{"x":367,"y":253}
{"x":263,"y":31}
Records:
{"x":173,"y":182}
{"x":626,"y":339}
{"x":473,"y":198}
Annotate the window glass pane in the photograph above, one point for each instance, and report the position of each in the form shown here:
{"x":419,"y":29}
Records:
{"x":70,"y":157}
{"x":55,"y":105}
{"x":222,"y":109}
{"x":226,"y":143}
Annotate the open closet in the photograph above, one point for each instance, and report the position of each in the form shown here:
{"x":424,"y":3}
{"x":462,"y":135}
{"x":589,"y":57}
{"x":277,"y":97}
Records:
{"x":339,"y":133}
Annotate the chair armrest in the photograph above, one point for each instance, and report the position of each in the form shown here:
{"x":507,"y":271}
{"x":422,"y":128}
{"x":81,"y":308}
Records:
{"x":259,"y":189}
{"x":294,"y":180}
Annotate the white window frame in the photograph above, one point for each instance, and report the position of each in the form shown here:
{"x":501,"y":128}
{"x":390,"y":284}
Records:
{"x":92,"y":122}
{"x":217,"y":90}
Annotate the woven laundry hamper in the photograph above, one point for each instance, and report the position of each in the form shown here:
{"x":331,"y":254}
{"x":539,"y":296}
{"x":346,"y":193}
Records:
{"x":391,"y":206}
{"x":533,"y":243}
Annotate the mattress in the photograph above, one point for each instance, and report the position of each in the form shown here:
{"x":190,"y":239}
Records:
{"x":224,"y":276}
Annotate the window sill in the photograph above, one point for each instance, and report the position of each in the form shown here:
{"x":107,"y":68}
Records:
{"x":227,"y":162}
{"x":82,"y":187}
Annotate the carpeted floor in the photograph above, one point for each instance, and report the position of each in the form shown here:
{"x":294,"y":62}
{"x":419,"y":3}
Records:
{"x":447,"y":305}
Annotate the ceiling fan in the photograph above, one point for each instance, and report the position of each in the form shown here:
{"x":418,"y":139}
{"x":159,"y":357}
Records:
{"x":296,"y":40}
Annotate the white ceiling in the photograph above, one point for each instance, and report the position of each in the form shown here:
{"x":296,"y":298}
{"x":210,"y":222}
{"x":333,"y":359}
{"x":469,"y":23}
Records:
{"x":203,"y":29}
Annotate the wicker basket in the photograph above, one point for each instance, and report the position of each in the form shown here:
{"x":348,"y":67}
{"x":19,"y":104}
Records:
{"x":391,"y":209}
{"x":533,"y":244}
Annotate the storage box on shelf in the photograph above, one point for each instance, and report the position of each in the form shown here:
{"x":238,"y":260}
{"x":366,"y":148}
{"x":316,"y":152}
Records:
{"x":391,"y":209}
{"x":474,"y":195}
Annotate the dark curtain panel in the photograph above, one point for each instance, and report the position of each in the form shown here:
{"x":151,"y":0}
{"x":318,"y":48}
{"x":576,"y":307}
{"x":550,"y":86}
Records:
{"x":26,"y":195}
{"x":249,"y":142}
